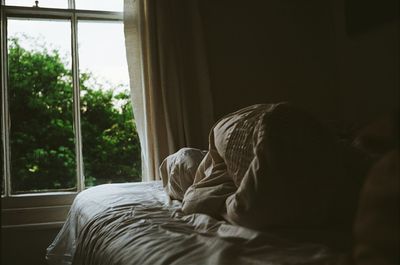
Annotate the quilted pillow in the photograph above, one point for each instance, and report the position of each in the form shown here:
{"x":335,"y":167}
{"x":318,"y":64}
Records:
{"x":178,"y":170}
{"x":296,"y":177}
{"x":228,"y":157}
{"x":273,"y":165}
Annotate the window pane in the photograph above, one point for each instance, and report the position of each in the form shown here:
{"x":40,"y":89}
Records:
{"x":41,"y":107}
{"x":104,"y":5}
{"x":111,"y":149}
{"x":42,"y":3}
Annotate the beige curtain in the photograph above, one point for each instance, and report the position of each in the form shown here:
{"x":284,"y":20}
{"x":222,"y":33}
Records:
{"x":169,"y":78}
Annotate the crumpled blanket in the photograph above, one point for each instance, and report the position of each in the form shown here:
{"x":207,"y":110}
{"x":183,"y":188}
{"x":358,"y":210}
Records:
{"x":273,"y":165}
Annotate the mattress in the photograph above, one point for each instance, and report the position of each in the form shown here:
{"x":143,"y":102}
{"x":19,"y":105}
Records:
{"x":137,"y":223}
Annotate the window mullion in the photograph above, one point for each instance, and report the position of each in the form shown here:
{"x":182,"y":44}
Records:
{"x":71,"y":4}
{"x":4,"y":104}
{"x":77,"y":120}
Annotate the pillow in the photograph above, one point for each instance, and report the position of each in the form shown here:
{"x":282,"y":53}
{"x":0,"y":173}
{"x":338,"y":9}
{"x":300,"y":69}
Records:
{"x":296,"y":177}
{"x":273,"y":165}
{"x":228,"y":157}
{"x":178,"y":170}
{"x":377,"y":224}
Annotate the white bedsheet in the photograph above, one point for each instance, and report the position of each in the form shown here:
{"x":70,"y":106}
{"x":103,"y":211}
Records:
{"x":137,"y":223}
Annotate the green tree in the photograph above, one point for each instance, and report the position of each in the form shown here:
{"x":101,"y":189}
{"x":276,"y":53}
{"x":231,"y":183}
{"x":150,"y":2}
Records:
{"x":42,"y":133}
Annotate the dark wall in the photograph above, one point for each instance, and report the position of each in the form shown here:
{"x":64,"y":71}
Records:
{"x":300,"y":51}
{"x":23,"y":246}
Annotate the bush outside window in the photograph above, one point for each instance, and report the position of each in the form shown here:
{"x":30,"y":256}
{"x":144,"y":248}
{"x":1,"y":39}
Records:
{"x":67,"y":120}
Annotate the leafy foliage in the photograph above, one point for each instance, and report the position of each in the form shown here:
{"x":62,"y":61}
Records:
{"x":42,"y":131}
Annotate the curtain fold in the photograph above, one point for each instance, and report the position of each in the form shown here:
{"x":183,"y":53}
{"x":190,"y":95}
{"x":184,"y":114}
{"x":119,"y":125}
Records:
{"x":169,"y":78}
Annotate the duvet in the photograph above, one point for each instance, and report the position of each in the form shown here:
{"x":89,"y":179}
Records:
{"x":137,"y":223}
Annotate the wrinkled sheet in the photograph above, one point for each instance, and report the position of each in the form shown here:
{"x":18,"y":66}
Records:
{"x":137,"y":223}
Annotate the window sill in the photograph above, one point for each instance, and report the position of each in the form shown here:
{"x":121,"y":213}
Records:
{"x":35,"y":210}
{"x":38,"y":200}
{"x":38,"y":226}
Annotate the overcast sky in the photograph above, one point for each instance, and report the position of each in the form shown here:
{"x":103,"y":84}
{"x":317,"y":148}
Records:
{"x":109,"y":5}
{"x":101,"y":44}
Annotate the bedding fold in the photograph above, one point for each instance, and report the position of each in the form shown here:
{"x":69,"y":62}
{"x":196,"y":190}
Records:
{"x":273,"y":165}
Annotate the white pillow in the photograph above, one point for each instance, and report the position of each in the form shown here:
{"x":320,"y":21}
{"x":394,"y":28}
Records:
{"x":178,"y":171}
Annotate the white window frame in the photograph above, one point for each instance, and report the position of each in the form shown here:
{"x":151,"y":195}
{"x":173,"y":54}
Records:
{"x":45,"y":208}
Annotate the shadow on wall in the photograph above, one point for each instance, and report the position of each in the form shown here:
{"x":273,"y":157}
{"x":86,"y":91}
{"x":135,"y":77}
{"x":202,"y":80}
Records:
{"x":327,"y":56}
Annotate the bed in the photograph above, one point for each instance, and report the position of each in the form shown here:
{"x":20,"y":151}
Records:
{"x":274,"y":187}
{"x":138,"y":223}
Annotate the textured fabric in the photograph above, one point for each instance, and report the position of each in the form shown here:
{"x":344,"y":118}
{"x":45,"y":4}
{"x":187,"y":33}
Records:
{"x":273,"y":165}
{"x":169,"y":78}
{"x":178,"y":171}
{"x":234,"y":139}
{"x":136,"y":223}
{"x":377,"y":225}
{"x":219,"y":174}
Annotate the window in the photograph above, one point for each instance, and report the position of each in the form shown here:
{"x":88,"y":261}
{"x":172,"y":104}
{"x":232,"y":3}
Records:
{"x":66,"y":116}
